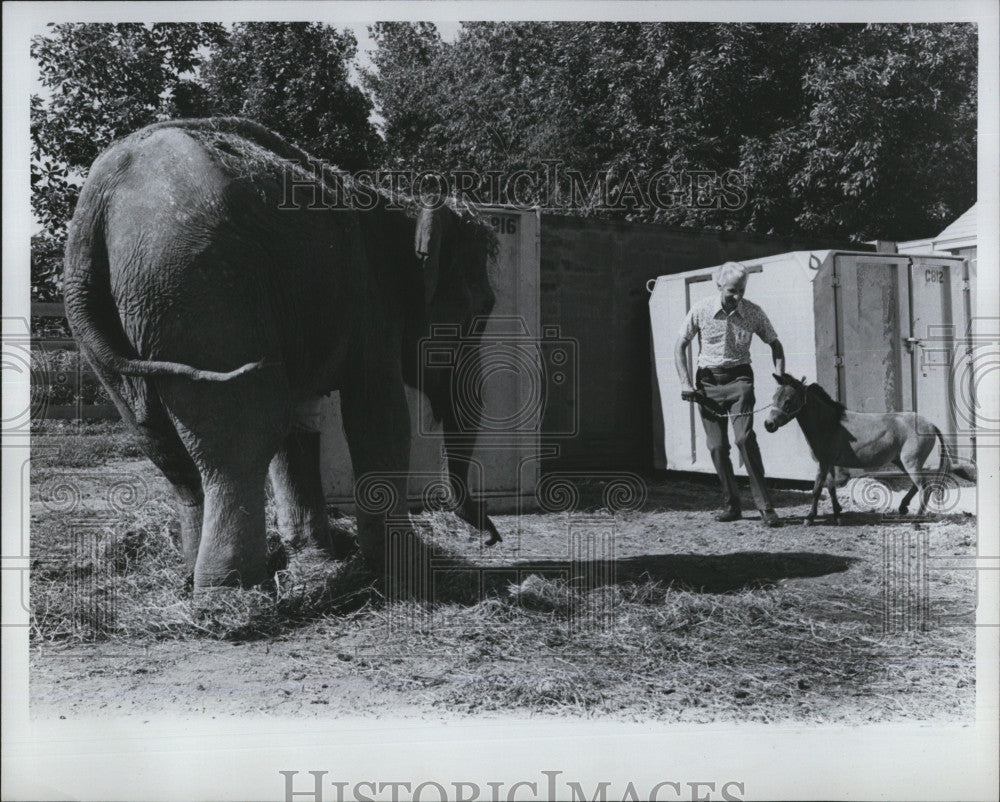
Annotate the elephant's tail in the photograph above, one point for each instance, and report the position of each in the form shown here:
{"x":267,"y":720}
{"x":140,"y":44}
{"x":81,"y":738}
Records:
{"x":90,"y":307}
{"x":951,"y":464}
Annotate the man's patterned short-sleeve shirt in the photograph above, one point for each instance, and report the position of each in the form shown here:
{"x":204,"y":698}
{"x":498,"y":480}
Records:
{"x":725,"y":338}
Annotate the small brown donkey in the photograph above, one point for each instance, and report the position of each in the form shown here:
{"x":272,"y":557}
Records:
{"x":841,"y":438}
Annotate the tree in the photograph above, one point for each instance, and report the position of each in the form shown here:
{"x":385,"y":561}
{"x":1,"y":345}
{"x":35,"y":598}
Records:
{"x":846,"y":131}
{"x":294,"y":78}
{"x":102,"y":81}
{"x":406,"y":77}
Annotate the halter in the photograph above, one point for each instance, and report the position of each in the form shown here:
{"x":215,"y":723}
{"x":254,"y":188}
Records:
{"x":792,"y":415}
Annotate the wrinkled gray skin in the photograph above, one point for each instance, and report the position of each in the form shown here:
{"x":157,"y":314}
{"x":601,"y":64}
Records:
{"x":216,"y":320}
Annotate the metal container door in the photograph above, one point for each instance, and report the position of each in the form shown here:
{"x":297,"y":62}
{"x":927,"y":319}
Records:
{"x":873,"y":321}
{"x":932,"y":338}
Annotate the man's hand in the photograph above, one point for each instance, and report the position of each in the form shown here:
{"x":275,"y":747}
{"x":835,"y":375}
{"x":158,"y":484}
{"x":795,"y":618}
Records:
{"x":688,"y":393}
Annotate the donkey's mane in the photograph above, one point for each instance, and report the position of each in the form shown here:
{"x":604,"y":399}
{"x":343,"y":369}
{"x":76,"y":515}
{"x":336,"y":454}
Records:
{"x":822,"y":395}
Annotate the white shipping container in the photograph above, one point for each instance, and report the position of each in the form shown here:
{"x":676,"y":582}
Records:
{"x":879,"y":332}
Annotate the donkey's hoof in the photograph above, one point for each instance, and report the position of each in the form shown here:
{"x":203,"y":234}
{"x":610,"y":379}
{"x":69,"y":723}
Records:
{"x":836,"y":520}
{"x":903,"y":510}
{"x":808,"y":521}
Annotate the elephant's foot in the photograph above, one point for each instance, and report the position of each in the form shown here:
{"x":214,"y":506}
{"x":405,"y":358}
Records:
{"x":493,"y":535}
{"x":336,"y":544}
{"x":403,"y":567}
{"x":208,"y":580}
{"x":302,"y":529}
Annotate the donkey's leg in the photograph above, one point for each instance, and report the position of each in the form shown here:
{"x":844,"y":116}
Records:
{"x":831,"y":486}
{"x":916,"y":483}
{"x":817,"y":490}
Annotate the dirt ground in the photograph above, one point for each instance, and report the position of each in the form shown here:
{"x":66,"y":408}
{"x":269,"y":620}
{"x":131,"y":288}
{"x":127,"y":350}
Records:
{"x":656,"y":613}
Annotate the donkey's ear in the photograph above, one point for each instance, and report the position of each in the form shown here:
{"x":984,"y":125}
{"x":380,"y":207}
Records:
{"x":782,"y":379}
{"x":803,"y":379}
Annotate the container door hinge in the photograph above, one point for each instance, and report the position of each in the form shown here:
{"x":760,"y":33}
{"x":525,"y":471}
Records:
{"x":965,"y":285}
{"x":835,"y":280}
{"x":838,"y":361}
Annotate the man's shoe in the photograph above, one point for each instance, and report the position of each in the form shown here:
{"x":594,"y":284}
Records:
{"x":732,"y":514}
{"x":770,"y":518}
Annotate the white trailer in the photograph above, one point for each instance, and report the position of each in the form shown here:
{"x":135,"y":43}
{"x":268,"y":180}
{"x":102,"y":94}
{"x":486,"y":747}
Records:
{"x":880,"y":332}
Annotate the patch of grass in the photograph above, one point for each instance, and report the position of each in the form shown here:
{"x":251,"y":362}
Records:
{"x":82,"y":445}
{"x":126,"y":581}
{"x":805,"y":648}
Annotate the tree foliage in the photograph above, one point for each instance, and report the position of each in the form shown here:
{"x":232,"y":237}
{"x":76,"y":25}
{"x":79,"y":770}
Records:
{"x":842,"y":130}
{"x":294,"y":78}
{"x":857,"y":131}
{"x":102,"y":81}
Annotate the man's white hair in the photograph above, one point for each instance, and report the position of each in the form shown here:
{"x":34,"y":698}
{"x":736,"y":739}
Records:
{"x":728,"y":271}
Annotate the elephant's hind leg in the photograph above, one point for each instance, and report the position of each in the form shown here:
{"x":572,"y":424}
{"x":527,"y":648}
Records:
{"x":143,"y":412}
{"x":232,"y":432}
{"x":298,"y":495}
{"x":167,"y":452}
{"x":377,"y":428}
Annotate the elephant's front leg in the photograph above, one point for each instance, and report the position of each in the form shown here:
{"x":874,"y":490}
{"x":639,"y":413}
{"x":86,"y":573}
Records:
{"x":460,"y":442}
{"x":459,"y":447}
{"x":377,"y":427}
{"x":298,"y":495}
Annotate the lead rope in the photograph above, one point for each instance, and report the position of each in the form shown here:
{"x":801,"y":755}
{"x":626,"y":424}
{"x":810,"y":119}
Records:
{"x":738,"y":414}
{"x":715,"y":414}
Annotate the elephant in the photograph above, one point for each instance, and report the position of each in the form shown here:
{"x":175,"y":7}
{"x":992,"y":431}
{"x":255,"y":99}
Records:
{"x":217,"y":311}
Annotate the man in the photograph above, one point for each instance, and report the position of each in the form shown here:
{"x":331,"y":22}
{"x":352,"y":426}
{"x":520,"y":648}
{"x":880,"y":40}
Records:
{"x":725,"y":324}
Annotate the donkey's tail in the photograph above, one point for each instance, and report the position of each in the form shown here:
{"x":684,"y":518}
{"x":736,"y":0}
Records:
{"x":964,"y":469}
{"x":90,"y":307}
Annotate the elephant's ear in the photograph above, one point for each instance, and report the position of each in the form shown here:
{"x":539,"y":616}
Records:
{"x":429,"y":236}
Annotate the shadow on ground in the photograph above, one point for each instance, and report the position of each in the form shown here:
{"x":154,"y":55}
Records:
{"x":668,"y":492}
{"x":462,"y":582}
